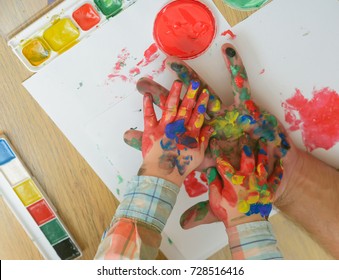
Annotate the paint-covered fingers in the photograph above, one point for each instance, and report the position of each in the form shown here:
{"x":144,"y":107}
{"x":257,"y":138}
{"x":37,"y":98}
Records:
{"x":150,"y":118}
{"x":133,"y":138}
{"x":275,"y":178}
{"x":262,"y":160}
{"x":186,"y":74}
{"x":189,"y":101}
{"x":198,"y":116}
{"x":158,"y":92}
{"x":205,"y":135}
{"x":240,"y":84}
{"x":198,"y":214}
{"x":171,"y":106}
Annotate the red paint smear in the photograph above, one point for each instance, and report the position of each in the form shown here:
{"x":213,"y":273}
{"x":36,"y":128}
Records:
{"x":230,"y":33}
{"x":150,"y":55}
{"x":318,"y":118}
{"x":193,"y":186}
{"x":239,"y":81}
{"x":262,"y":71}
{"x":229,"y":193}
{"x":252,"y":108}
{"x":184,"y":28}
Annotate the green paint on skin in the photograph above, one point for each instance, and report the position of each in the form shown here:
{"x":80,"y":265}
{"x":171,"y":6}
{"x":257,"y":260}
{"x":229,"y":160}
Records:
{"x":225,"y":129}
{"x":212,"y":174}
{"x":244,"y":95}
{"x":135,"y":143}
{"x":182,"y":73}
{"x":271,"y":119}
{"x":202,"y":211}
{"x":235,"y":69}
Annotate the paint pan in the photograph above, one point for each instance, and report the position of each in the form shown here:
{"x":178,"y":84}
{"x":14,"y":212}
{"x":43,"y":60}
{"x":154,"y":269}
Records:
{"x":184,"y":28}
{"x":32,"y":207}
{"x":60,"y":28}
{"x":245,"y":5}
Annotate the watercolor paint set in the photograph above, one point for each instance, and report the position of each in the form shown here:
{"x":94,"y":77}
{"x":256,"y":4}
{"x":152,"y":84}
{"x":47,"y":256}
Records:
{"x":32,"y":208}
{"x":61,"y":28}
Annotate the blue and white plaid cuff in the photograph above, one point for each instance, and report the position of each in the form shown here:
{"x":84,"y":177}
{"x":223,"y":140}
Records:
{"x":148,"y":199}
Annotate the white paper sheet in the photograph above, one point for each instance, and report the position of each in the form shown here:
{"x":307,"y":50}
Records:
{"x":288,"y":44}
{"x":94,"y":109}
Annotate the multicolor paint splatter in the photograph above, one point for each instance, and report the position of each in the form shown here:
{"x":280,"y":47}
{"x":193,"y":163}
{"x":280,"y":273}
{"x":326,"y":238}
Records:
{"x":151,"y":54}
{"x":316,"y":118}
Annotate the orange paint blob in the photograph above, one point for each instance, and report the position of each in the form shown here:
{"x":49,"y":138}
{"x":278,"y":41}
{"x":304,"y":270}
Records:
{"x":184,"y":28}
{"x":36,"y":51}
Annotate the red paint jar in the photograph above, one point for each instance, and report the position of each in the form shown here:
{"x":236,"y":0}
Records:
{"x":184,"y":28}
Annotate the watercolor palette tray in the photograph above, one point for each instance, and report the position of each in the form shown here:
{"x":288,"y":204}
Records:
{"x":32,"y":208}
{"x":61,"y":28}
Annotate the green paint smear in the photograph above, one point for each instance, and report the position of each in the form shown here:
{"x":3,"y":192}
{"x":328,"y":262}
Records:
{"x":244,"y":95}
{"x":271,"y":119}
{"x":135,"y":143}
{"x":245,"y":4}
{"x":120,"y":179}
{"x":212,"y":174}
{"x":235,"y":69}
{"x":202,"y":210}
{"x":118,"y":191}
{"x":170,"y":241}
{"x":54,"y":231}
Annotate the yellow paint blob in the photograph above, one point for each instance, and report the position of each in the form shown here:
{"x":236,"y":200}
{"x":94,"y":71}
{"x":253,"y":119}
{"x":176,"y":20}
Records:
{"x":191,"y":93}
{"x":200,"y":121}
{"x":226,"y":165}
{"x":36,"y":51}
{"x":252,"y":182}
{"x":61,"y":34}
{"x":182,"y":112}
{"x":237,"y":179}
{"x":243,"y":206}
{"x":28,"y":192}
{"x":261,"y":169}
{"x":253,"y":197}
{"x":216,"y":106}
{"x":231,"y":117}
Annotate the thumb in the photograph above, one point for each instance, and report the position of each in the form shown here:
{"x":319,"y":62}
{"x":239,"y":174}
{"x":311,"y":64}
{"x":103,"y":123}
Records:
{"x":198,"y":214}
{"x":133,"y":138}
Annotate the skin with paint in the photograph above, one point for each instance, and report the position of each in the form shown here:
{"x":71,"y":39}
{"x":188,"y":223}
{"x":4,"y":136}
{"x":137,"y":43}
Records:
{"x":174,"y":146}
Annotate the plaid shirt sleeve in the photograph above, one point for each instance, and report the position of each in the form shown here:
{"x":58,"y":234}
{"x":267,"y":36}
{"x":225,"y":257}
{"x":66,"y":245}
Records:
{"x":135,"y":230}
{"x":253,"y":241}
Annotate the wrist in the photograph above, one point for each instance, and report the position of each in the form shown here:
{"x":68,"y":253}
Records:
{"x":149,"y":169}
{"x":231,"y":222}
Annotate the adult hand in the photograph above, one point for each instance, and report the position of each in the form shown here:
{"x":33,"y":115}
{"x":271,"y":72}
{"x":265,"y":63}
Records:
{"x":175,"y":145}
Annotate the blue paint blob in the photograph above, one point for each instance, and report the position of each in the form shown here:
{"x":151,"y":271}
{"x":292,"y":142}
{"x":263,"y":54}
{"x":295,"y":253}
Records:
{"x":212,"y":97}
{"x":262,"y":152}
{"x":284,"y":143}
{"x":168,"y":146}
{"x":247,"y":150}
{"x":188,"y":142}
{"x":265,"y":209}
{"x":173,"y":129}
{"x":201,"y":109}
{"x":6,"y":153}
{"x":195,"y":85}
{"x":246,"y":119}
{"x":254,"y":208}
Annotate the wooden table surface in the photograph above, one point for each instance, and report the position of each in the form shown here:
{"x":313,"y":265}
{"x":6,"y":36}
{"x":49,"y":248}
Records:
{"x":84,"y":203}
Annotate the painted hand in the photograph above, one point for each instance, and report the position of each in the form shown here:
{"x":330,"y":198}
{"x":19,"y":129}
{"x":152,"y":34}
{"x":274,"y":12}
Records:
{"x":237,"y":196}
{"x":175,"y":145}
